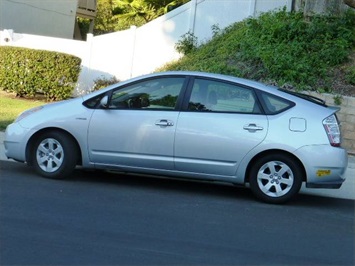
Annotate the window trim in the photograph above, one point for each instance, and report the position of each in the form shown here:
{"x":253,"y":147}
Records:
{"x":110,"y":92}
{"x":189,"y":88}
{"x":264,"y":105}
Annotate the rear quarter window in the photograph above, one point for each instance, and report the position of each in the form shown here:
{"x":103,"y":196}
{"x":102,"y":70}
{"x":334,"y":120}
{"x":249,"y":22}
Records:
{"x":273,"y":104}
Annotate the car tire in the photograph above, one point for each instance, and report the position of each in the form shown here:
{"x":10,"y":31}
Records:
{"x":275,"y":178}
{"x":54,"y":155}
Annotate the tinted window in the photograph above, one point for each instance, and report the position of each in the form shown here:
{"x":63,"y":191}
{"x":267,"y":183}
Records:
{"x":216,"y":96}
{"x":274,"y":104}
{"x":150,"y":94}
{"x":93,"y":102}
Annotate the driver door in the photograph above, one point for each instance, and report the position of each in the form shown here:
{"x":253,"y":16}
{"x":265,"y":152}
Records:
{"x":137,"y":128}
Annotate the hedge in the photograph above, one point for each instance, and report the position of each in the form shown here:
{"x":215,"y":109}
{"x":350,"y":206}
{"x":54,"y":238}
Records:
{"x":29,"y":72}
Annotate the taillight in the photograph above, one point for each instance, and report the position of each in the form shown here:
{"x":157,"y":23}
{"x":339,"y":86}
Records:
{"x":331,"y":126}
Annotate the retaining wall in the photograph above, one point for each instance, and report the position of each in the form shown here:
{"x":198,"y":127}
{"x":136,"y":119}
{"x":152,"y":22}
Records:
{"x":346,"y":116}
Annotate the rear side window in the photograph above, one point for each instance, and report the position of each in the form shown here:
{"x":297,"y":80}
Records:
{"x":273,"y":104}
{"x":216,"y":96}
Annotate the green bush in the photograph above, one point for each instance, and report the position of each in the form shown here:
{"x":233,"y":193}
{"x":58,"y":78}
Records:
{"x":350,"y":75}
{"x":29,"y":72}
{"x":279,"y":47}
{"x":186,"y":44}
{"x":103,"y":82}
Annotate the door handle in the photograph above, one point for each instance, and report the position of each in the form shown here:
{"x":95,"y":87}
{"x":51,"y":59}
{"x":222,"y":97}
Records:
{"x":252,"y":127}
{"x":164,"y":123}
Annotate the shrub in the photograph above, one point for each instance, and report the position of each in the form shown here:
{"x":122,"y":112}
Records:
{"x":280,"y":47}
{"x":29,"y":72}
{"x":186,"y":44}
{"x":350,"y":75}
{"x":103,"y":82}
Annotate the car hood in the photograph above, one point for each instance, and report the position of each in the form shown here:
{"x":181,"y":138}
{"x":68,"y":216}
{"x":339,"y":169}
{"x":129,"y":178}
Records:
{"x":54,"y":113}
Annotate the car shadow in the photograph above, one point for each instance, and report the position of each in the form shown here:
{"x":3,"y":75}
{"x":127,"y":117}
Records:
{"x":198,"y":187}
{"x":222,"y":191}
{"x":153,"y":182}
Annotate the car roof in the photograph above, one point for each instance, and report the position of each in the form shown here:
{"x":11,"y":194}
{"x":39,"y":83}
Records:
{"x":241,"y":81}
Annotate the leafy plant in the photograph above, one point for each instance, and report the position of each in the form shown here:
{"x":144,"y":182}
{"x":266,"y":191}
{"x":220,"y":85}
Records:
{"x":350,"y":75}
{"x":338,"y":99}
{"x":28,"y":72}
{"x":187,"y":43}
{"x":278,"y":47}
{"x":115,"y":15}
{"x":103,"y":82}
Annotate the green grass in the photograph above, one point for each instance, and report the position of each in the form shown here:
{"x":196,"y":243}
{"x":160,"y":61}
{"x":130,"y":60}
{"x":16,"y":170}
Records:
{"x":11,"y":107}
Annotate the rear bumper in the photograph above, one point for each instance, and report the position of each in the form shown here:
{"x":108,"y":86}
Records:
{"x":325,"y":165}
{"x":325,"y":185}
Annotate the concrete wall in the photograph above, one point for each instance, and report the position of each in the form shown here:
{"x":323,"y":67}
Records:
{"x":48,"y":18}
{"x":346,"y":116}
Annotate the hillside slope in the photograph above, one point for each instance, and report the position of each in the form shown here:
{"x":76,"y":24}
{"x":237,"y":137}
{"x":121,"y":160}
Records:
{"x":279,"y":48}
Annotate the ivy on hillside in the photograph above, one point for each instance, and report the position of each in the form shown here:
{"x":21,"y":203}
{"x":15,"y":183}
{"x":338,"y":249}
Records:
{"x":280,"y":47}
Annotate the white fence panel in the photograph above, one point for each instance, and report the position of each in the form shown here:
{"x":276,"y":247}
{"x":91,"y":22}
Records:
{"x":8,"y":37}
{"x":219,"y":13}
{"x":155,"y":41}
{"x":107,"y":55}
{"x":141,"y":50}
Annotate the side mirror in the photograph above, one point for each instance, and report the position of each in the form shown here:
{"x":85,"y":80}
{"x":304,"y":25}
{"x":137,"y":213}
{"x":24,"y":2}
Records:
{"x":104,"y":102}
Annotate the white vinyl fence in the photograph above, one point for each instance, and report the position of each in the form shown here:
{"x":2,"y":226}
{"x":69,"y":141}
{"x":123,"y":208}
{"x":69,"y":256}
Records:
{"x":138,"y":51}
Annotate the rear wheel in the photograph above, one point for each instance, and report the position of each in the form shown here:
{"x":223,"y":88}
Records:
{"x":275,"y":178}
{"x":54,"y":155}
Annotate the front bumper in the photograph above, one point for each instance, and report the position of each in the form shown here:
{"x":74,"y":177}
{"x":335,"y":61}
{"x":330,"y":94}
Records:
{"x":16,"y":138}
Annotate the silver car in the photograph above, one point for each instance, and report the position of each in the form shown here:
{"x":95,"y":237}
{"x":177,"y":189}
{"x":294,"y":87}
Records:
{"x":189,"y":125}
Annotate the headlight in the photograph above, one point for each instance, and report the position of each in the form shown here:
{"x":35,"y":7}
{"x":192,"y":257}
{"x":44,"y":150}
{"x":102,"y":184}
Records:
{"x":28,"y":112}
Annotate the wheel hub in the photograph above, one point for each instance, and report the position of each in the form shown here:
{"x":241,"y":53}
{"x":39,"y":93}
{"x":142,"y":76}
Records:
{"x":275,"y":179}
{"x":50,"y":155}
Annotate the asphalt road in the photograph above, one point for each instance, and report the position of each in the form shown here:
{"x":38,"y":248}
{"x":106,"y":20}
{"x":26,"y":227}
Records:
{"x":97,"y":218}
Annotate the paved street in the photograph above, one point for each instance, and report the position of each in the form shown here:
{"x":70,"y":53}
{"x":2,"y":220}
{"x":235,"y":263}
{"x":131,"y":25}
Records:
{"x":97,"y":218}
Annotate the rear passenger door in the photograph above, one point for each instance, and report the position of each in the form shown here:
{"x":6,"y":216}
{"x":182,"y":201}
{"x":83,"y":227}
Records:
{"x":221,"y":123}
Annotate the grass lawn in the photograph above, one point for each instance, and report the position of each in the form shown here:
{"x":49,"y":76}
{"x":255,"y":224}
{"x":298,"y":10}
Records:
{"x":11,"y":107}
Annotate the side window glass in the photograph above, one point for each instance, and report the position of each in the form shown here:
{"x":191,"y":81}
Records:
{"x":274,"y":104}
{"x":159,"y":94}
{"x":210,"y":95}
{"x":93,"y":102}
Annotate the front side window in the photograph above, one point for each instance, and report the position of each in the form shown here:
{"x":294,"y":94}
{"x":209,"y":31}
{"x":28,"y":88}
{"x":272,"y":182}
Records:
{"x":158,"y":94}
{"x":216,"y":96}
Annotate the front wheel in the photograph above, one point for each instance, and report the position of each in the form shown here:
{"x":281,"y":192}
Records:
{"x":54,"y":155}
{"x":275,"y":178}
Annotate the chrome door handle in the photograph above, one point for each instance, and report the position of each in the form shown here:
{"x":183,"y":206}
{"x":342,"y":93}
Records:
{"x":164,"y":123}
{"x":252,"y":127}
